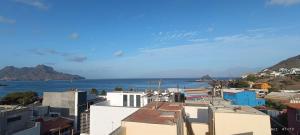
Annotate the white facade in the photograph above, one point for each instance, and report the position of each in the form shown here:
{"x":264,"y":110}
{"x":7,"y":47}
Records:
{"x":106,"y":119}
{"x":129,"y":99}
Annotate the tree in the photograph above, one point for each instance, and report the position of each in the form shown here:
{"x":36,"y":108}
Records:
{"x":118,"y":89}
{"x":94,"y":91}
{"x":103,"y":92}
{"x":23,"y":98}
{"x":251,"y":78}
{"x":239,"y":84}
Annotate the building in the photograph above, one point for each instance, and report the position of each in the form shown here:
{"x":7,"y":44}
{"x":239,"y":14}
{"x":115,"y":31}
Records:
{"x":196,"y":122}
{"x":237,"y":120}
{"x":295,"y":71}
{"x":56,"y":126}
{"x":265,"y":86}
{"x":85,"y":122}
{"x":67,"y":104}
{"x":17,"y":120}
{"x":293,"y":111}
{"x":242,"y":97}
{"x":156,"y":118}
{"x":127,"y":98}
{"x":282,"y":97}
{"x":105,"y":119}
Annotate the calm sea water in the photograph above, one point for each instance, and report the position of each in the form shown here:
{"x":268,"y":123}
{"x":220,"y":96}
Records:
{"x":99,"y":84}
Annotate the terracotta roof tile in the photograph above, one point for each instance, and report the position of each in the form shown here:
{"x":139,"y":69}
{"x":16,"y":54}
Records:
{"x":157,"y":113}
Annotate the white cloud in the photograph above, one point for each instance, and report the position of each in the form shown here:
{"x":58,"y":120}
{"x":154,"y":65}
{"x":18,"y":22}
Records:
{"x":119,"y":53}
{"x":34,"y":3}
{"x":74,"y":36}
{"x":73,"y":57}
{"x":77,"y":59}
{"x":283,"y":2}
{"x":7,"y":20}
{"x":210,"y":29}
{"x":176,"y":35}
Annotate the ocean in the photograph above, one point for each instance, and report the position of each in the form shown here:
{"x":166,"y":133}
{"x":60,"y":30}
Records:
{"x":99,"y":84}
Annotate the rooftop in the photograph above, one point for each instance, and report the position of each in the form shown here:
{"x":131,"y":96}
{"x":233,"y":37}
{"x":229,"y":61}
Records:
{"x":232,"y":90}
{"x":237,"y":109}
{"x":4,"y":108}
{"x":139,"y":92}
{"x":55,"y":124}
{"x":157,"y":113}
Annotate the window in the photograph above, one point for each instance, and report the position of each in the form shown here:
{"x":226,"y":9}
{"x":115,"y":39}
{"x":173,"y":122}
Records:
{"x":13,"y":119}
{"x":298,"y":115}
{"x":138,"y":100}
{"x":131,"y":101}
{"x":124,"y":100}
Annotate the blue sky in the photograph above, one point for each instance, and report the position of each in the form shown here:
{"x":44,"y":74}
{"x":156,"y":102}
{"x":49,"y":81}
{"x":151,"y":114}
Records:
{"x":149,"y":38}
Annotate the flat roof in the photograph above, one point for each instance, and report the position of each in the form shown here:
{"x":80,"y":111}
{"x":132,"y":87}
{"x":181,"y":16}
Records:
{"x":157,"y":113}
{"x":237,"y":109}
{"x":232,"y":90}
{"x":4,"y":108}
{"x":138,"y":92}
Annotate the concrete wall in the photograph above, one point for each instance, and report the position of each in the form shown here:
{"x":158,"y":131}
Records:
{"x":21,"y":120}
{"x":67,"y":103}
{"x":105,"y":119}
{"x":197,"y":113}
{"x":134,"y":128}
{"x":60,"y":100}
{"x":197,"y":129}
{"x":31,"y":131}
{"x":235,"y":123}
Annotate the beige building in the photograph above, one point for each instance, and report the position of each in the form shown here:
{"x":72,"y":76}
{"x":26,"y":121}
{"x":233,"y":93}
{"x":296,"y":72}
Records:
{"x":237,"y":120}
{"x":163,"y":118}
{"x":156,"y":118}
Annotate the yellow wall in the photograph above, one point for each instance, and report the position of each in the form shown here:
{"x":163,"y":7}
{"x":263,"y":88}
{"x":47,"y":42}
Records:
{"x":135,"y":128}
{"x":233,"y":123}
{"x":262,"y":86}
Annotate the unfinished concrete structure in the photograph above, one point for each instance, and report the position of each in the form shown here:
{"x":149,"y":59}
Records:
{"x":14,"y":119}
{"x":67,"y":104}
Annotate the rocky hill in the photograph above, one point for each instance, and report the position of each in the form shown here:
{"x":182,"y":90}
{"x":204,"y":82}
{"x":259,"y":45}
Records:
{"x":40,"y":72}
{"x":293,"y":62}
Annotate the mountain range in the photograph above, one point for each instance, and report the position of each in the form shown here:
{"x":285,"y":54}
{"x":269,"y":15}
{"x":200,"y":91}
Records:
{"x":40,"y":72}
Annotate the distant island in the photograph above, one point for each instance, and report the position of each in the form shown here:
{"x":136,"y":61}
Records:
{"x":38,"y":73}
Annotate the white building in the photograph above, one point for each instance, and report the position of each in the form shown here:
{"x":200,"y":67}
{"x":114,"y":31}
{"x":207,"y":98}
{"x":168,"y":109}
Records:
{"x":127,"y":99}
{"x":276,"y":74}
{"x":106,"y":119}
{"x":295,"y":71}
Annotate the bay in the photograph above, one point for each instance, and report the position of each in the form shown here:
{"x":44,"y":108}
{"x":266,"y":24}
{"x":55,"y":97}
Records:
{"x":99,"y":84}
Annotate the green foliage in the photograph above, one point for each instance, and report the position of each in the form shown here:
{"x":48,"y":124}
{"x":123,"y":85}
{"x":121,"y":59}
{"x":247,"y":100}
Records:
{"x":275,"y":105}
{"x":251,"y":78}
{"x":103,"y":92}
{"x":239,"y":84}
{"x":94,"y":91}
{"x":118,"y":89}
{"x":23,"y":98}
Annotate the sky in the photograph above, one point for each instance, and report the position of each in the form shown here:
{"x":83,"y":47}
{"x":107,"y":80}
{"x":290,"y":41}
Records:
{"x":149,"y":38}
